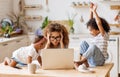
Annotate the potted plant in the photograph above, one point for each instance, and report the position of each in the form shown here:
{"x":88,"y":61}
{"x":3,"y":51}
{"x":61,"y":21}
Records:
{"x":71,"y":23}
{"x":6,"y":28}
{"x":19,"y":22}
{"x":39,"y":31}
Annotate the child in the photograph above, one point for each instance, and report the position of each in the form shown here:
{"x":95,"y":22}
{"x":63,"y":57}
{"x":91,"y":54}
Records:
{"x":57,"y":36}
{"x":26,"y":55}
{"x":95,"y":54}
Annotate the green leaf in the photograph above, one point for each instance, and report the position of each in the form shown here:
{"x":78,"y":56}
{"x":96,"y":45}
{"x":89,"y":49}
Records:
{"x":71,"y":22}
{"x":45,"y":22}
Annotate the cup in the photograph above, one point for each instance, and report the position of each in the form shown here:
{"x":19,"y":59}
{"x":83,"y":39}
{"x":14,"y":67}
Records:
{"x":32,"y":68}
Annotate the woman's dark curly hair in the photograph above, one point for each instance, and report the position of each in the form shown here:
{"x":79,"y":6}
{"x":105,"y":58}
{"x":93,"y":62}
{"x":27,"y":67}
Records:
{"x":92,"y":23}
{"x":56,"y":27}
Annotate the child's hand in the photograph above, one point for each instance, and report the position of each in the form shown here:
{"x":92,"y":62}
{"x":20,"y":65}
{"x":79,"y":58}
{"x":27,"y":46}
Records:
{"x":93,"y":7}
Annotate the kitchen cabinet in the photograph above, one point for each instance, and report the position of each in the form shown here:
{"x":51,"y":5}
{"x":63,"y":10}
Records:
{"x":7,"y":47}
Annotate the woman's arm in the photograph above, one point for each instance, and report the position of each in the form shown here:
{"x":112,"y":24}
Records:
{"x":29,"y":59}
{"x":98,"y":20}
{"x":48,"y":41}
{"x":39,"y":60}
{"x":61,"y":41}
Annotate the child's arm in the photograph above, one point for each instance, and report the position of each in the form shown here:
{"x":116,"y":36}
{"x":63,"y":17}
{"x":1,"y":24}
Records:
{"x":29,"y":59}
{"x":39,"y":60}
{"x":91,"y":13}
{"x":98,"y":21}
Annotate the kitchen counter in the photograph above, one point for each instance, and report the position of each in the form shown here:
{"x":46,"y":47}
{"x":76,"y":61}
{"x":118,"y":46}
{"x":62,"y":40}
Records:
{"x":4,"y":40}
{"x":8,"y":45}
{"x":100,"y":71}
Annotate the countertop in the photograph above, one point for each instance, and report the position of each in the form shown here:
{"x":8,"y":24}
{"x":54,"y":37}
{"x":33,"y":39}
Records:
{"x":4,"y":40}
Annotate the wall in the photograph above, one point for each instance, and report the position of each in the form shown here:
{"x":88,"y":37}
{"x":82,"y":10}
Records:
{"x":59,"y":10}
{"x":6,"y":6}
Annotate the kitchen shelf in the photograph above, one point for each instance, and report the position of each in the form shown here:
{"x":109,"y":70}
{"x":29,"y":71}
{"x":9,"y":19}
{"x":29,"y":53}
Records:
{"x":117,"y":25}
{"x":109,"y":0}
{"x":114,"y":33}
{"x":115,"y":7}
{"x":32,"y":7}
{"x":33,"y":18}
{"x":81,"y":6}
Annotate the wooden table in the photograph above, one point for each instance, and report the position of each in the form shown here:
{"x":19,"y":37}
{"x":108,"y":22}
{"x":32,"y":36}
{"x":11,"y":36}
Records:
{"x":100,"y":71}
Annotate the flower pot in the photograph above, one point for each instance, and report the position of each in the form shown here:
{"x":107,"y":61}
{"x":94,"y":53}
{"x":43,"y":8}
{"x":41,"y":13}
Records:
{"x":72,"y":30}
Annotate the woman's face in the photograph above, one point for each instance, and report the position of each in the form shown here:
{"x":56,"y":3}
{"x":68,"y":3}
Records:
{"x":55,"y":38}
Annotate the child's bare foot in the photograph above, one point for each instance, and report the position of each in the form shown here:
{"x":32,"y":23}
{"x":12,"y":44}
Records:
{"x":6,"y":61}
{"x":76,"y":64}
{"x":86,"y":63}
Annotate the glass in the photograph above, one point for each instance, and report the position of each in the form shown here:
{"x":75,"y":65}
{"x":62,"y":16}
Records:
{"x":53,"y":38}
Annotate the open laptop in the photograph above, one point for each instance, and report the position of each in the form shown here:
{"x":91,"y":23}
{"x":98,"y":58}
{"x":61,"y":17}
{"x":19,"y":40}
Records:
{"x":57,"y":58}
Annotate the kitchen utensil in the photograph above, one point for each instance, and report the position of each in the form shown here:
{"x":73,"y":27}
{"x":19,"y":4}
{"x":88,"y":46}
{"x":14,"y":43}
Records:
{"x":47,"y":6}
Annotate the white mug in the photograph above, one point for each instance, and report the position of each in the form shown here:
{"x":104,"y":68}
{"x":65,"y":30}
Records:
{"x":32,"y":68}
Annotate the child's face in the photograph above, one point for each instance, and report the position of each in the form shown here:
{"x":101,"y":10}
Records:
{"x":93,"y":32}
{"x":55,"y":38}
{"x":42,"y":43}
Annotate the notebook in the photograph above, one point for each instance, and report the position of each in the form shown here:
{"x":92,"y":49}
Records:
{"x":57,"y":58}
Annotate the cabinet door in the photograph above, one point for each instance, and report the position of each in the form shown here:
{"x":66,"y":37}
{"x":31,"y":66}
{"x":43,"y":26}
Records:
{"x":6,"y":50}
{"x":20,"y":43}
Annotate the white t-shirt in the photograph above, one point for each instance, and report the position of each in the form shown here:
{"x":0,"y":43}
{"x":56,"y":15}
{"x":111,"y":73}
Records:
{"x":101,"y":42}
{"x":22,"y":53}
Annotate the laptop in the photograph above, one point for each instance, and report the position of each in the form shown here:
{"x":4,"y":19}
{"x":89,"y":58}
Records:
{"x":57,"y":58}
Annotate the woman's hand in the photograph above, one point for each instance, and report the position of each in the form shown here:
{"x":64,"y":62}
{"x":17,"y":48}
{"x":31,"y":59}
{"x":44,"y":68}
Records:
{"x":48,"y":37}
{"x":61,"y":40}
{"x":48,"y":41}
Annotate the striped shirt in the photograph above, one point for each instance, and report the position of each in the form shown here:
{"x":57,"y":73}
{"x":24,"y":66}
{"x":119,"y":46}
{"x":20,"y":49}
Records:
{"x":101,"y":42}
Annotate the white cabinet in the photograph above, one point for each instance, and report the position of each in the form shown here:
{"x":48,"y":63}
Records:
{"x":113,"y":51}
{"x":6,"y":48}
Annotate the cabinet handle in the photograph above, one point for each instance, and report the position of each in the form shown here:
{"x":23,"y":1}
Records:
{"x":75,"y":37}
{"x":112,"y":39}
{"x":18,"y":41}
{"x":5,"y":44}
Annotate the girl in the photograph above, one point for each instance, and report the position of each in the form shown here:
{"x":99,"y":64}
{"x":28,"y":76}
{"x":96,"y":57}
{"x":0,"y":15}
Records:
{"x":57,"y":36}
{"x":95,"y":54}
{"x":26,"y":55}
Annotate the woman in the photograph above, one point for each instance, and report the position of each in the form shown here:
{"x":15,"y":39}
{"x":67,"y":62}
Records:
{"x":57,"y":36}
